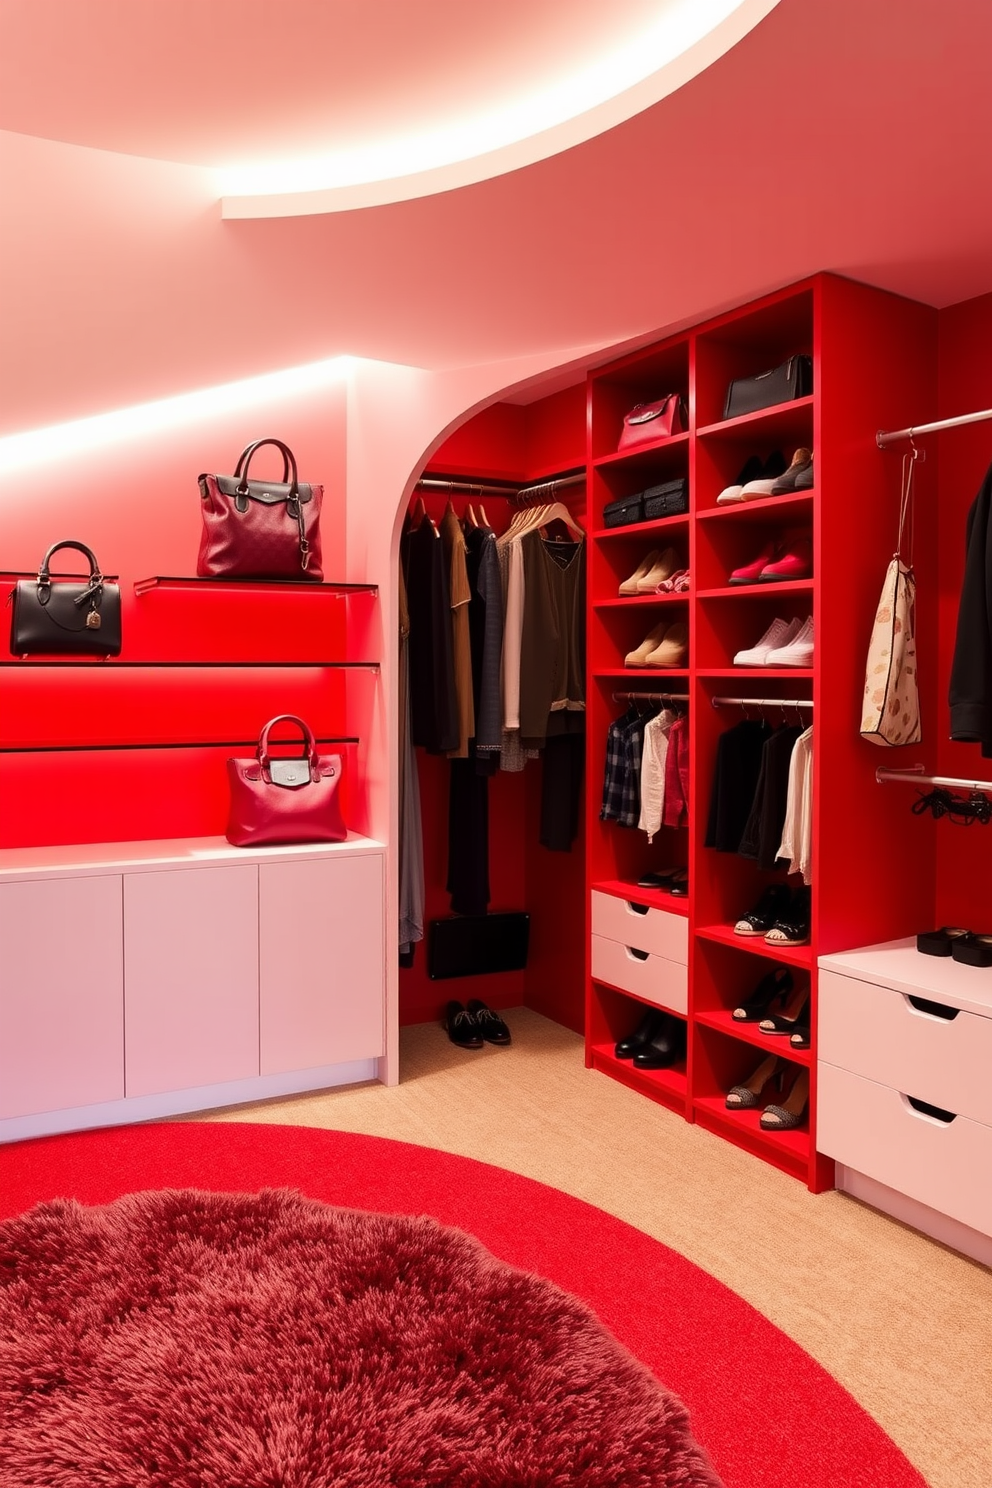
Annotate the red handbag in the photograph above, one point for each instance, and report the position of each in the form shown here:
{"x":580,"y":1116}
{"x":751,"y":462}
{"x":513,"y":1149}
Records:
{"x":285,"y":800}
{"x":647,"y":422}
{"x":255,"y":529}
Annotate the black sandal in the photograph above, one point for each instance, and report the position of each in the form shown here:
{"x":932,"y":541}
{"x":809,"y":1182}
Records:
{"x":972,"y":949}
{"x":792,"y":928}
{"x":940,"y":942}
{"x":777,"y":984}
{"x":774,"y":902}
{"x":792,"y":1016}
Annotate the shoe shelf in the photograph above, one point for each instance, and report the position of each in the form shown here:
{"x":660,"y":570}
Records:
{"x":656,"y":898}
{"x":717,"y":674}
{"x":790,"y":510}
{"x":749,"y":1033}
{"x":762,"y":591}
{"x":756,"y":945}
{"x":661,"y":526}
{"x":644,"y":457}
{"x":787,"y":1149}
{"x":641,"y":674}
{"x":669,"y":1086}
{"x":638,"y":601}
{"x":786,"y":421}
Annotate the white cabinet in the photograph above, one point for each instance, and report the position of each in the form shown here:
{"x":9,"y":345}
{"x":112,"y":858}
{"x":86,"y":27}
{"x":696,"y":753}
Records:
{"x":320,"y":940}
{"x":642,"y":950}
{"x":191,"y":959}
{"x":61,"y":994}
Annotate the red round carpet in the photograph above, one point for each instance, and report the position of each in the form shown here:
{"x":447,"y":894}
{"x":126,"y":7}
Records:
{"x":185,"y":1339}
{"x":766,"y":1413}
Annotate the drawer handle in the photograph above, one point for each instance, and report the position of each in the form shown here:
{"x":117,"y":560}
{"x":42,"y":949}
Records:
{"x":635,"y":954}
{"x":924,"y":1108}
{"x":640,"y":909}
{"x":932,"y":1009}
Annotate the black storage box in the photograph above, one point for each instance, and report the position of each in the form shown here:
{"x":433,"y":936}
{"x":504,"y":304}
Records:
{"x":624,"y":512}
{"x":472,"y":945}
{"x":670,"y":499}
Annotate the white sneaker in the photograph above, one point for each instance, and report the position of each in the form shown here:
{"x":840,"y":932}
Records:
{"x":779,"y":633}
{"x":729,"y":493}
{"x":796,"y":653}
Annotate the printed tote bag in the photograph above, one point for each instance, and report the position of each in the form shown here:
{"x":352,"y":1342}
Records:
{"x":891,"y":713}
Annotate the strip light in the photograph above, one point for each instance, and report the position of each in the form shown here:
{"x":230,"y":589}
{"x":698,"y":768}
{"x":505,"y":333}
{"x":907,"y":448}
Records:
{"x":59,"y":440}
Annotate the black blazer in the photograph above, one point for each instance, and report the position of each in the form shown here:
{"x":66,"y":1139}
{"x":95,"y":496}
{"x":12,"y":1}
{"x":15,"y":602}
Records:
{"x":970,"y":694}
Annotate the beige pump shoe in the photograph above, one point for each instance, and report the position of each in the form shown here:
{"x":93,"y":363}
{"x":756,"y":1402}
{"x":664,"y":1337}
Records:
{"x":672,"y":650}
{"x":667,"y":563}
{"x":639,"y":657}
{"x":629,"y":586}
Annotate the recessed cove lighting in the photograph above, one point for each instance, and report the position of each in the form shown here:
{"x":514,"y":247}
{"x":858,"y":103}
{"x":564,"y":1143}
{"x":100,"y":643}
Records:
{"x":58,"y":440}
{"x":683,"y":38}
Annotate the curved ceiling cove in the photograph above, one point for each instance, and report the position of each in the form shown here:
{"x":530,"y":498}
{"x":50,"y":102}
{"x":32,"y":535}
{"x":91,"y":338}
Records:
{"x":604,"y":65}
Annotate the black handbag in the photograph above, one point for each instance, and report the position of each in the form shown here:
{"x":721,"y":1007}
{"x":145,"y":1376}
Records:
{"x":625,"y":511}
{"x":66,"y":616}
{"x":670,"y":499}
{"x":793,"y":379}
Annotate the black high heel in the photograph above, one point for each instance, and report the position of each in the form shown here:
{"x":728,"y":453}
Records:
{"x":777,"y":984}
{"x":755,"y":1088}
{"x":791,"y":1016}
{"x":792,"y":1112}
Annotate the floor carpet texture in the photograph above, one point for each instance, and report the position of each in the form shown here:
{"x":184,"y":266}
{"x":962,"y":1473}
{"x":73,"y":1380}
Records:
{"x":765,"y":1412}
{"x":186,"y":1339}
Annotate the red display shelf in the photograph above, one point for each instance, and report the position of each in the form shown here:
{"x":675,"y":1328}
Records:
{"x":783,"y":420}
{"x":760,"y":591}
{"x":668,"y":1086}
{"x":792,"y":1147}
{"x":748,"y":1033}
{"x":642,"y":529}
{"x":634,"y":457}
{"x":793,"y":507}
{"x":656,"y":898}
{"x":627,"y":601}
{"x":758,"y":946}
{"x":749,"y":673}
{"x":642,"y":674}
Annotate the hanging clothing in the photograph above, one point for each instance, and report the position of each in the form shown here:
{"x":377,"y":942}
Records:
{"x":654,"y":752}
{"x":970,"y":693}
{"x":468,"y":838}
{"x":485,"y":619}
{"x":513,"y":756}
{"x":434,"y":717}
{"x":552,"y":665}
{"x":616,"y":757}
{"x":796,"y":847}
{"x":460,"y":595}
{"x":411,"y":837}
{"x":763,"y":831}
{"x":738,"y":764}
{"x":561,"y":790}
{"x":676,"y":807}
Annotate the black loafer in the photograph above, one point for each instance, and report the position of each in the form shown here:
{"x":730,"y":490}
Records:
{"x":461,"y":1027}
{"x":973,"y":950}
{"x":488,"y":1023}
{"x":642,"y":1035}
{"x":940,"y":942}
{"x":666,"y":1047}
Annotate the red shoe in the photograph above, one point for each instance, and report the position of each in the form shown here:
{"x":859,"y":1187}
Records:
{"x":752,"y":572}
{"x":795,"y":563}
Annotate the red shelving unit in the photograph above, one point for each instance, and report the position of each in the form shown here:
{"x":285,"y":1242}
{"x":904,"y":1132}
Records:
{"x":874,"y":366}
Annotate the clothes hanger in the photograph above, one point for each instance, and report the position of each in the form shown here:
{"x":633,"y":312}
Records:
{"x":483,"y":519}
{"x":470,"y":516}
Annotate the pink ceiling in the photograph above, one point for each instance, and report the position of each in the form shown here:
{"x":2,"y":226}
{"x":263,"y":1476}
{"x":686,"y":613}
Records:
{"x":850,"y":135}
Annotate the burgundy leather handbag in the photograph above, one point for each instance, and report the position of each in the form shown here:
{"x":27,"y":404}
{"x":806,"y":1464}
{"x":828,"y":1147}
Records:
{"x":647,"y":422}
{"x":285,"y":800}
{"x":257,"y":529}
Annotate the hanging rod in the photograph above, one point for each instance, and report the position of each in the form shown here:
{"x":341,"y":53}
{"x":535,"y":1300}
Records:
{"x":914,"y":775}
{"x":885,"y":438}
{"x":727,"y":702}
{"x":651,"y":697}
{"x":475,"y":488}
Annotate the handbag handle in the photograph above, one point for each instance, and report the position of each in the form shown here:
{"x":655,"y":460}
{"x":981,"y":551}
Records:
{"x":288,"y":464}
{"x":93,"y":592}
{"x":906,"y":504}
{"x":309,"y":743}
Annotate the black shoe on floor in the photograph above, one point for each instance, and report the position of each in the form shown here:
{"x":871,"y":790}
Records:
{"x":461,"y":1027}
{"x":488,"y":1023}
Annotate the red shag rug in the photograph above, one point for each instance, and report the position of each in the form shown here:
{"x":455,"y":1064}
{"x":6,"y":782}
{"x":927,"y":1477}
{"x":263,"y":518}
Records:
{"x":185,"y":1339}
{"x":768,"y":1415}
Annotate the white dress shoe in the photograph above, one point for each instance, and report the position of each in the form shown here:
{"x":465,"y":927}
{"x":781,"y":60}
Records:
{"x":799,"y":651}
{"x":779,"y":633}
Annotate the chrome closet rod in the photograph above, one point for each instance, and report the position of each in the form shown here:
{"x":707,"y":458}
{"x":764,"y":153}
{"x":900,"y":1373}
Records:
{"x":915,"y":776}
{"x":651,"y":697}
{"x":476,"y":488}
{"x":885,"y":437}
{"x":725,"y":702}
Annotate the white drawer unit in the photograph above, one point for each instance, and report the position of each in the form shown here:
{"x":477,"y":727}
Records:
{"x":943,"y":1163}
{"x":652,"y":978}
{"x":641,"y":925}
{"x":905,"y":1087}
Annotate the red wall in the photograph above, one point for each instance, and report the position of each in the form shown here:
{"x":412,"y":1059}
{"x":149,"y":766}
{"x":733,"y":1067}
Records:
{"x":964,"y":854}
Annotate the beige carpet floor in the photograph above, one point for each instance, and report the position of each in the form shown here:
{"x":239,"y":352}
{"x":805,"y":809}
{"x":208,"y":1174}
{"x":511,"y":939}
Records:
{"x":903,"y":1322}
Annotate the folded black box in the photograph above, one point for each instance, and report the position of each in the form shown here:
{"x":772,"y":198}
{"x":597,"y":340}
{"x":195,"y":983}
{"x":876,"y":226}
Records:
{"x":625,"y":511}
{"x":670,"y":499}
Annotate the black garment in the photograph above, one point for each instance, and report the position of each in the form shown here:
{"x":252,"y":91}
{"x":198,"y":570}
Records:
{"x":738,"y":764}
{"x":552,"y":659}
{"x":970,"y":693}
{"x":433,"y":704}
{"x":485,"y":622}
{"x":561,"y":786}
{"x":468,"y":838}
{"x":762,"y":835}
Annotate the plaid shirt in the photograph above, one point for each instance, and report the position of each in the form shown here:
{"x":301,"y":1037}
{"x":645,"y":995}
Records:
{"x":622,"y":776}
{"x":614,"y":772}
{"x":630,"y":810}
